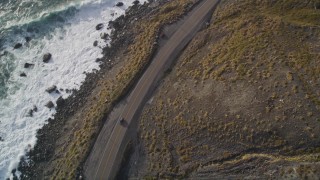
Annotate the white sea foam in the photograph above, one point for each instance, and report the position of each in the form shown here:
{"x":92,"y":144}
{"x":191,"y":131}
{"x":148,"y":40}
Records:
{"x":72,"y":54}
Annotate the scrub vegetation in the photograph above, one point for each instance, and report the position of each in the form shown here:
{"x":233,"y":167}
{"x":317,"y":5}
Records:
{"x":111,"y":89}
{"x":243,"y":100}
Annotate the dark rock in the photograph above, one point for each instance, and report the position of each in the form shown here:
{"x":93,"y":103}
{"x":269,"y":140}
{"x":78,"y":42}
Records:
{"x":119,"y":4}
{"x":104,"y":36}
{"x":27,"y":65}
{"x":51,"y":89}
{"x":23,"y":74}
{"x":99,"y":26}
{"x":28,"y":39}
{"x":49,"y":105}
{"x":317,"y":5}
{"x":1,"y":139}
{"x":30,"y":113}
{"x":50,"y":120}
{"x":46,"y":58}
{"x":17,"y":46}
{"x":35,"y":108}
{"x":95,"y":43}
{"x":114,"y":25}
{"x":60,"y":101}
{"x":15,"y":177}
{"x":136,"y":2}
{"x":57,"y":91}
{"x":13,"y":171}
{"x":4,"y":53}
{"x":98,"y":60}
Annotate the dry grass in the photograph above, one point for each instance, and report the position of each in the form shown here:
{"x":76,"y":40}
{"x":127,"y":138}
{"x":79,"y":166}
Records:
{"x":250,"y":82}
{"x":138,"y":56}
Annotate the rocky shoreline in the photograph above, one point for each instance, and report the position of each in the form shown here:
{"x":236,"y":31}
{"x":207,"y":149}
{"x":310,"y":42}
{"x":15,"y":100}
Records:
{"x":32,"y":165}
{"x":223,"y":137}
{"x":51,"y":138}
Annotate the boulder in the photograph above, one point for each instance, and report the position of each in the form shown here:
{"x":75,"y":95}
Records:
{"x":15,"y":177}
{"x":49,"y":105}
{"x":17,"y":46}
{"x":99,"y":26}
{"x":114,"y":25}
{"x":35,"y":108}
{"x":27,"y":65}
{"x":136,"y":2}
{"x":95,"y":43}
{"x":46,"y":57}
{"x":51,"y":89}
{"x":119,"y":4}
{"x":28,"y":39}
{"x":30,"y":113}
{"x":104,"y":36}
{"x":60,"y":101}
{"x":23,"y":74}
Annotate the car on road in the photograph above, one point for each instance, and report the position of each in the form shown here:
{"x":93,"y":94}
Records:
{"x":122,"y":121}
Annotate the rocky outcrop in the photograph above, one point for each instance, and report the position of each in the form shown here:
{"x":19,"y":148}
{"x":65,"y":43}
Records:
{"x":49,"y":105}
{"x":95,"y":43}
{"x":28,"y":65}
{"x":28,"y":39}
{"x":46,"y":57}
{"x":17,"y":46}
{"x":136,"y":2}
{"x":51,"y":89}
{"x":99,"y":26}
{"x":60,"y":101}
{"x":104,"y":36}
{"x":23,"y":74}
{"x":114,"y":24}
{"x":119,"y":4}
{"x":30,"y":113}
{"x":35,"y":108}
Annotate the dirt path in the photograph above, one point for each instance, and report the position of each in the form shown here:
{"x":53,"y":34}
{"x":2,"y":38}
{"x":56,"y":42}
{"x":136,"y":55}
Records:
{"x":103,"y":162}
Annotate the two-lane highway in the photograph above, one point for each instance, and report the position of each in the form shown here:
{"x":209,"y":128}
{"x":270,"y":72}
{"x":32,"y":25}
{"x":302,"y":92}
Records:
{"x":106,"y":166}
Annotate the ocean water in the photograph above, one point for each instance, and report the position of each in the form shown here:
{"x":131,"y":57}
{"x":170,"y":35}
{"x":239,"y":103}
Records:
{"x":64,"y":28}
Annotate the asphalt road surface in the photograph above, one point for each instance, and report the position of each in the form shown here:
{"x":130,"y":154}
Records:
{"x":105,"y":164}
